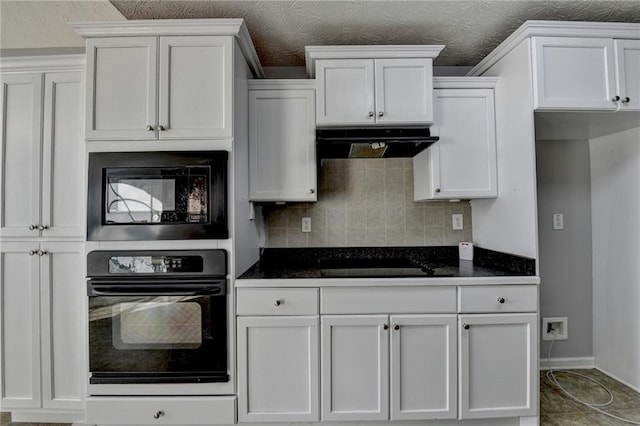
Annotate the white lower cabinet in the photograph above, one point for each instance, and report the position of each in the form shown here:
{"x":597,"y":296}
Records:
{"x":498,"y":365}
{"x":174,"y":410}
{"x":381,"y":367}
{"x":42,"y":320}
{"x":278,"y":368}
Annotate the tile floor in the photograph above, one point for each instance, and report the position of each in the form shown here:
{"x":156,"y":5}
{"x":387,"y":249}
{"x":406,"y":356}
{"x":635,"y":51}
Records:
{"x":556,"y":409}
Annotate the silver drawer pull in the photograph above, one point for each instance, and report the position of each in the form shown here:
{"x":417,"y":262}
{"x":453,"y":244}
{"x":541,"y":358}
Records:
{"x":158,"y":414}
{"x":278,"y":302}
{"x":501,"y":300}
{"x":465,"y":326}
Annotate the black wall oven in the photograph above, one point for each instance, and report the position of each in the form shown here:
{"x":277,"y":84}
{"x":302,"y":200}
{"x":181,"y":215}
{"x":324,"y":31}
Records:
{"x":157,"y":195}
{"x":157,"y":317}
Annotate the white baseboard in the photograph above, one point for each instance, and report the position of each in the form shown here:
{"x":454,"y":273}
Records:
{"x":637,"y":389}
{"x":568,"y":363}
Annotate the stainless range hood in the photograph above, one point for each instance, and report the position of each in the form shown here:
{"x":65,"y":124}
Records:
{"x":372,"y":142}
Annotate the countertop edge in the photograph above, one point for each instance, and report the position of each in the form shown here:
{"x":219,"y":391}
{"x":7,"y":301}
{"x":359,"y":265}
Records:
{"x":383,"y":282}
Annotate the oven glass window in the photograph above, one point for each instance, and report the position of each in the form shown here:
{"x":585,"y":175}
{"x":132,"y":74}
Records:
{"x":169,"y":324}
{"x":157,"y":195}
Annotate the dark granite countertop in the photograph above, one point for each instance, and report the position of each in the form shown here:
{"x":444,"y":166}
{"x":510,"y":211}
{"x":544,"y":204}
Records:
{"x":354,"y":262}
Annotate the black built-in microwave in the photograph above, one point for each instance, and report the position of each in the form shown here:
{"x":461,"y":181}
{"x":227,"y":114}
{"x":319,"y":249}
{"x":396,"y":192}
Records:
{"x":157,"y":196}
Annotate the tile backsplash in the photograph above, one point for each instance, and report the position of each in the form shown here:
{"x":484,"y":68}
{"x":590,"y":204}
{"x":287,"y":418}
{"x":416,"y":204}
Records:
{"x":366,"y":202}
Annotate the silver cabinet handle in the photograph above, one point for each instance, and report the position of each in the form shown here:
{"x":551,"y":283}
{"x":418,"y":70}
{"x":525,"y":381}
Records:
{"x":33,"y":227}
{"x":616,"y":98}
{"x":501,"y":299}
{"x":312,"y":191}
{"x":158,"y":414}
{"x":32,"y":252}
{"x":371,"y":114}
{"x":437,"y":189}
{"x":626,"y":100}
{"x":42,"y":252}
{"x":380,"y":113}
{"x":150,"y":128}
{"x":396,"y":327}
{"x":465,"y":326}
{"x":385,"y":326}
{"x":43,"y":227}
{"x":162,"y":128}
{"x":278,"y":302}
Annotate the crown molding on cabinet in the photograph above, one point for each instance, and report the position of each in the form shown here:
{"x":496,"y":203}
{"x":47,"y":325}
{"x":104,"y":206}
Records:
{"x":280,"y":84}
{"x":176,"y":27}
{"x":465,"y":82}
{"x":367,"y":52}
{"x":49,"y":63}
{"x":556,"y":29}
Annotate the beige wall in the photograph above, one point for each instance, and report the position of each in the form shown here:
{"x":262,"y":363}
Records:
{"x":366,"y":203}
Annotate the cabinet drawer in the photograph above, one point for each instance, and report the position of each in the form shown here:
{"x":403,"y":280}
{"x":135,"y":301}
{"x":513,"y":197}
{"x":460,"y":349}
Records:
{"x":392,"y":300}
{"x":169,"y":410}
{"x":277,"y":301}
{"x":499,"y":298}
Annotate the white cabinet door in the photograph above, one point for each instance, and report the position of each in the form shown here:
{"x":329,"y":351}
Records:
{"x":573,"y":73}
{"x":196,"y":87}
{"x":462,"y":164}
{"x":63,"y":316}
{"x":345,"y":92}
{"x":628,"y":72}
{"x":423,"y":367}
{"x":19,"y":326}
{"x":498,"y":365}
{"x":121,"y":88}
{"x":282,"y":160}
{"x":278,"y":369}
{"x":63,"y":156}
{"x":21,"y":133}
{"x":403,"y":91}
{"x":355,"y":367}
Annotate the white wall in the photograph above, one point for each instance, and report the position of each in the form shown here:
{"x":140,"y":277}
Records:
{"x":508,"y":223}
{"x":615,"y":197}
{"x":563,"y":178}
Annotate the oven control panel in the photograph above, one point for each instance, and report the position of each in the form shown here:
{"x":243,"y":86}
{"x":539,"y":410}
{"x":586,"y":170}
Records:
{"x":154,"y":264}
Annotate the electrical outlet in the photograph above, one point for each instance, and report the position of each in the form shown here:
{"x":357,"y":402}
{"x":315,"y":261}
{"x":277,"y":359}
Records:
{"x":457,"y":221}
{"x":555,"y":328}
{"x":306,"y":224}
{"x":558,"y":221}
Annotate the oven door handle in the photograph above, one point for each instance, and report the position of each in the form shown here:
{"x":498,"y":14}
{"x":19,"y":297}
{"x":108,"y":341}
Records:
{"x":156,"y":290}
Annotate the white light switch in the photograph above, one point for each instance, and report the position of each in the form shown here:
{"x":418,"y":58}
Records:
{"x":558,"y":221}
{"x":457,"y":221}
{"x":306,"y":224}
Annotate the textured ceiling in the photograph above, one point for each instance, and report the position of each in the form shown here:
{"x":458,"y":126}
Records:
{"x":468,"y":29}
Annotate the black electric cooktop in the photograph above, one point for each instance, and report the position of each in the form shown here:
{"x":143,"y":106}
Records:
{"x":380,"y":268}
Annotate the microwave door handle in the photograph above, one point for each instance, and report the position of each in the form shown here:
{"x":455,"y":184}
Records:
{"x":154,"y":290}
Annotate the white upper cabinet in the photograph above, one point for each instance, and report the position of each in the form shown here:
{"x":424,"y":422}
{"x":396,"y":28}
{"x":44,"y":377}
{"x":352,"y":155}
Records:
{"x":42,"y":155}
{"x":121,"y":88}
{"x":628,"y":73}
{"x":374,"y":91}
{"x":164,"y":79}
{"x":191,"y":99}
{"x":372,"y":85}
{"x":462,"y":164}
{"x":591,"y":74}
{"x":282,"y":153}
{"x":196,"y":87}
{"x":21,"y":135}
